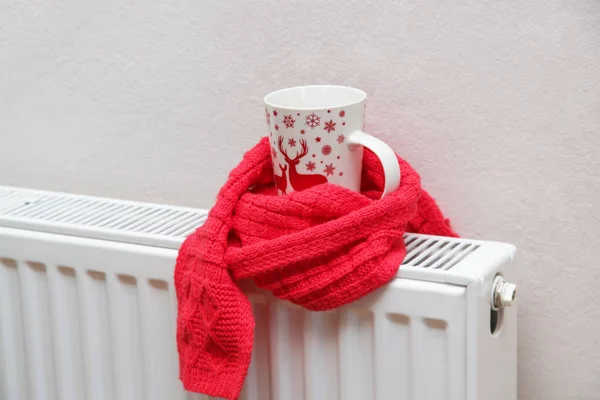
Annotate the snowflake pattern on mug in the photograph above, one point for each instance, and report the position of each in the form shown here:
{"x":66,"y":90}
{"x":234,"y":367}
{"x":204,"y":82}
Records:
{"x":329,"y":126}
{"x":297,"y":151}
{"x":288,"y":121}
{"x":313,"y":120}
{"x":329,"y":169}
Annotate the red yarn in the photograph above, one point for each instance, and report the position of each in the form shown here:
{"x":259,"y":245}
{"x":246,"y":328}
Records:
{"x":319,"y":248}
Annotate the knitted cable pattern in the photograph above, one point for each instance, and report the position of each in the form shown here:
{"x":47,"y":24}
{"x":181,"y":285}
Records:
{"x":319,"y":248}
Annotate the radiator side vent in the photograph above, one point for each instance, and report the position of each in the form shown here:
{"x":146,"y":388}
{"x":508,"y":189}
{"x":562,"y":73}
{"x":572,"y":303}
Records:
{"x":436,"y":252}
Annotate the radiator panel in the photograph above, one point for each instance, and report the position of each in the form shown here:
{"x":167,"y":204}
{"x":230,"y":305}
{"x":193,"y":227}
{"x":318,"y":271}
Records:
{"x":100,"y":320}
{"x":88,"y":311}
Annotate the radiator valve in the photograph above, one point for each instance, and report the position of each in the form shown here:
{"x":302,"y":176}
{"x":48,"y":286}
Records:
{"x":503,"y":293}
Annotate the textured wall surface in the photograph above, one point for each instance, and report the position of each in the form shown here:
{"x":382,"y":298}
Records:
{"x":497,"y":104}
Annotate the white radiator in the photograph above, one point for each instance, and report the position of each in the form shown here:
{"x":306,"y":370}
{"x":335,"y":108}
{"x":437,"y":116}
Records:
{"x":87,"y":311}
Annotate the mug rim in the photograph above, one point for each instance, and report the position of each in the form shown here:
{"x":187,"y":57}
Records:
{"x":361,"y":97}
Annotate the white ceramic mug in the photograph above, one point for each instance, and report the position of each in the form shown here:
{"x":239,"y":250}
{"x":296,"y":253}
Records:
{"x":316,"y":135}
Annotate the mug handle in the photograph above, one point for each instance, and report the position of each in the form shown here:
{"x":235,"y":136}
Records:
{"x":389,"y":161}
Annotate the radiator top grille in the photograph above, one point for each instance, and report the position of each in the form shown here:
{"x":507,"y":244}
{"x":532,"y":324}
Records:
{"x":166,"y":226}
{"x":162,"y":225}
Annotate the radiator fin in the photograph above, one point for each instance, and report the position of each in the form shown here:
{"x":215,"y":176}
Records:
{"x":286,"y":351}
{"x":37,"y":321}
{"x":67,"y":333}
{"x":125,"y":332}
{"x":394,"y":377}
{"x":356,"y":354}
{"x":96,"y":337}
{"x":258,"y":383}
{"x":15,"y":382}
{"x":321,"y":355}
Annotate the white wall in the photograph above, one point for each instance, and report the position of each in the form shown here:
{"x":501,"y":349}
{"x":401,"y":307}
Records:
{"x":496,"y":103}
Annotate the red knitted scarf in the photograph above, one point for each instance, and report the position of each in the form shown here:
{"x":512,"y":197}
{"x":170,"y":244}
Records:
{"x":319,"y":248}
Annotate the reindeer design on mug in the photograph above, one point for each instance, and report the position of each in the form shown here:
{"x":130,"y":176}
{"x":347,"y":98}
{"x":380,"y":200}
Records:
{"x":281,"y":181}
{"x":299,"y":181}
